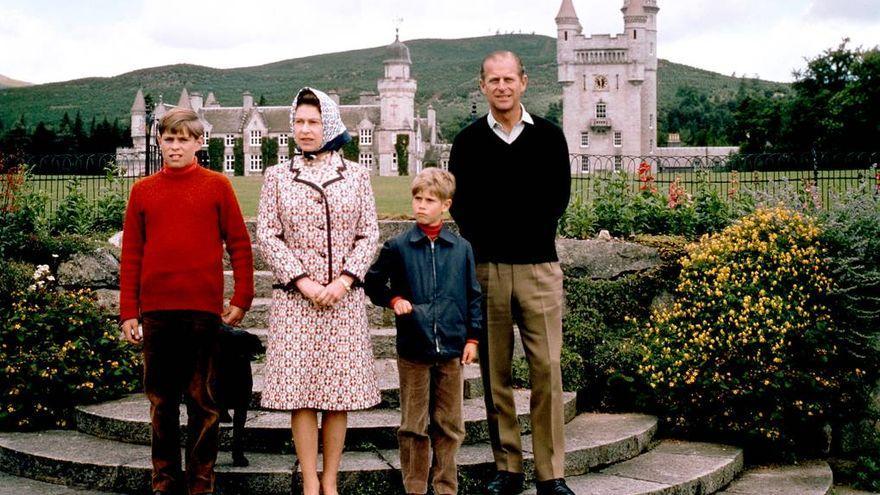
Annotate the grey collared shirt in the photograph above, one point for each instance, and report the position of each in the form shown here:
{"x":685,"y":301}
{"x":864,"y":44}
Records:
{"x":517,"y":128}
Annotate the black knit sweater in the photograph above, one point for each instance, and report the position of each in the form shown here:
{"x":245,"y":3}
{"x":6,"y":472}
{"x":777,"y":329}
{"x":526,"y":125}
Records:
{"x":509,"y":197}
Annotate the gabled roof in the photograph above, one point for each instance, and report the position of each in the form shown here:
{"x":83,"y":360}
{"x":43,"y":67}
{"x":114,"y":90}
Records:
{"x":224,"y":120}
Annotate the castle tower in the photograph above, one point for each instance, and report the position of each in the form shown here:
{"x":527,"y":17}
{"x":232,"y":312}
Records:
{"x":139,"y":122}
{"x":397,"y":96}
{"x":609,"y":87}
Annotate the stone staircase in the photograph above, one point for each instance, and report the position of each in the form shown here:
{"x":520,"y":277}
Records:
{"x":108,"y":450}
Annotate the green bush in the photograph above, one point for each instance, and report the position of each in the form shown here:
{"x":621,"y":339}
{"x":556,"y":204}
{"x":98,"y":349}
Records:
{"x":748,"y":352}
{"x":58,"y":350}
{"x":74,"y":214}
{"x":25,"y":233}
{"x":578,"y":221}
{"x":14,"y":276}
{"x":851,"y":230}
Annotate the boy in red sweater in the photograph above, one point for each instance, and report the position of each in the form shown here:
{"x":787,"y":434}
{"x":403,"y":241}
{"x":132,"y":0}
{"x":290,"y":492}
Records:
{"x":171,"y":281}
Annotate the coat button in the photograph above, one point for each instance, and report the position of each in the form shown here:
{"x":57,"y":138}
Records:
{"x":323,"y":254}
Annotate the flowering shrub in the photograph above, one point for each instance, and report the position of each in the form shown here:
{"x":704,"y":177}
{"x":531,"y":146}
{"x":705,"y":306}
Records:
{"x":57,"y":350}
{"x":744,"y":351}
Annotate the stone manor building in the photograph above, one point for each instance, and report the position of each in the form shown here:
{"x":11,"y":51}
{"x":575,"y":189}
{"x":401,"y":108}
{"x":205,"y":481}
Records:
{"x":609,"y":92}
{"x":375,"y":122}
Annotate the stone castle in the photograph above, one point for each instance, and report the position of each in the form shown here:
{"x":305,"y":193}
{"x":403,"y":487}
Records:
{"x":609,"y":97}
{"x":375,"y":122}
{"x":609,"y":92}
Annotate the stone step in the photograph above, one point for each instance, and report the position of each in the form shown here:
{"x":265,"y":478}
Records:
{"x":381,"y":320}
{"x":14,"y":485}
{"x":75,"y":458}
{"x":382,"y":339}
{"x":258,"y":316}
{"x":389,"y":383}
{"x":128,"y":420}
{"x":807,"y":478}
{"x":672,"y":468}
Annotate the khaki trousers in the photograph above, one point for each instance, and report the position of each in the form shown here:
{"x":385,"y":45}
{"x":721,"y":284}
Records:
{"x":431,"y":396}
{"x":529,"y":295}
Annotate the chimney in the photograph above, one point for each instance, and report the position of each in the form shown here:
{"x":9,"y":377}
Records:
{"x":333,"y":95}
{"x":196,"y":101}
{"x":247,"y":100}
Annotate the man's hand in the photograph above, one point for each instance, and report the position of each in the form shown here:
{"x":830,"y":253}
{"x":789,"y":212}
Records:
{"x":469,"y":354}
{"x":233,"y":315}
{"x":132,"y":332}
{"x":402,"y":307}
{"x":309,"y":288}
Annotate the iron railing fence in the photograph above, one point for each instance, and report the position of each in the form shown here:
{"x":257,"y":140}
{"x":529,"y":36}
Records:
{"x":825,"y":175}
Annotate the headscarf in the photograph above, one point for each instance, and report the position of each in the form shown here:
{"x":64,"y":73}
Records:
{"x":335,"y":135}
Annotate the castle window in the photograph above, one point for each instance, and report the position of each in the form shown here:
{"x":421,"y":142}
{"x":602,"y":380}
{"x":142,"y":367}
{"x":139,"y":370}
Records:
{"x":229,"y":163}
{"x":230,"y":140}
{"x":651,"y":52}
{"x":601,"y":110}
{"x":635,"y":34}
{"x":366,"y":137}
{"x":282,"y":157}
{"x":444,"y":164}
{"x":618,"y":162}
{"x":366,"y":159}
{"x":650,"y":121}
{"x":207,"y":137}
{"x":282,"y":140}
{"x":618,"y":139}
{"x":256,"y":138}
{"x":585,"y":140}
{"x":394,"y":159}
{"x":256,"y":163}
{"x":566,"y":35}
{"x":585,"y":163}
{"x":651,"y":144}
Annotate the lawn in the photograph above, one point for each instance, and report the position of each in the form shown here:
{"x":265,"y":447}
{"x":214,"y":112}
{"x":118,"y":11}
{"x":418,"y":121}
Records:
{"x":392,"y":195}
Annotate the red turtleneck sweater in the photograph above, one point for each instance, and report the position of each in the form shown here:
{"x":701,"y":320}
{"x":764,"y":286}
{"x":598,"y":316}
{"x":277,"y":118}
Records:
{"x":175,"y":227}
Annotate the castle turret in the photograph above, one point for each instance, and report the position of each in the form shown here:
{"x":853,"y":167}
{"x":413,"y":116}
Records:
{"x":568,"y":27}
{"x":138,"y":122}
{"x":184,"y":100}
{"x":397,"y":97}
{"x":640,"y":27}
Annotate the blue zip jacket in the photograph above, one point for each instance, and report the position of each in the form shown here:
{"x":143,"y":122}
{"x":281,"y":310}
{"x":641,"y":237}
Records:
{"x":440,"y":281}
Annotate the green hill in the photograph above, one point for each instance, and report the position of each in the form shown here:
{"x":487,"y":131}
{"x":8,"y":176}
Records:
{"x":446,"y":71}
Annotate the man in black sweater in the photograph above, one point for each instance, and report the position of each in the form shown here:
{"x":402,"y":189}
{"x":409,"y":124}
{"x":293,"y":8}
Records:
{"x":514,"y":182}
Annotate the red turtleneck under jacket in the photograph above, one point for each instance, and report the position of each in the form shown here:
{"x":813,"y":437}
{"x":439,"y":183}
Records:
{"x":176,"y":224}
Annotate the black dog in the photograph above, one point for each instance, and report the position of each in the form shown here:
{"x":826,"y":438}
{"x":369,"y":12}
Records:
{"x":234,"y":382}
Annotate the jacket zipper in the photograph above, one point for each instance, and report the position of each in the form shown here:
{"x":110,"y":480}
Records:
{"x":434,"y":272}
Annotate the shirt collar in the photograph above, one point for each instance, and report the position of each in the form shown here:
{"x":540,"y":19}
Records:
{"x":526,"y":118}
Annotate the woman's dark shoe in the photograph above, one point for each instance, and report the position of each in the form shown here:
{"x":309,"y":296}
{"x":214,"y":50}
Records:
{"x":506,"y":483}
{"x":553,"y":487}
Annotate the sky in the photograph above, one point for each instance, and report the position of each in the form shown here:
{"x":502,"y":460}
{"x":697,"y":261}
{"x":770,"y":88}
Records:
{"x":55,"y":40}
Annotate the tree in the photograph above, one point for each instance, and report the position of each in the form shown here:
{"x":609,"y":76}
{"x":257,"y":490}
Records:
{"x":352,"y":150}
{"x":238,"y":156}
{"x":401,"y":147}
{"x":216,"y":150}
{"x":66,"y":140}
{"x":269,"y":151}
{"x":262,"y":102}
{"x":554,"y":113}
{"x":42,"y":140}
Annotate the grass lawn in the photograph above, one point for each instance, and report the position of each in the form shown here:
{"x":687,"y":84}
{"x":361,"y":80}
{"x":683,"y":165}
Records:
{"x":392,"y":195}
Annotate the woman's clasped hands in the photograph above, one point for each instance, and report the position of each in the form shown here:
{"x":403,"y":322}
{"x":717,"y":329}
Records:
{"x":325,"y":295}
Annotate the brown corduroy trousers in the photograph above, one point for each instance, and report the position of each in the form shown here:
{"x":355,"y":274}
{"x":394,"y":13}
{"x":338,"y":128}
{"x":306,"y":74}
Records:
{"x":529,"y":295}
{"x":179,"y":352}
{"x":431,"y":396}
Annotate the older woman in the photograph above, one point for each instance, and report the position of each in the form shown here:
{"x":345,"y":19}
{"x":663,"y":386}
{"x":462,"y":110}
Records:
{"x":317,"y":230}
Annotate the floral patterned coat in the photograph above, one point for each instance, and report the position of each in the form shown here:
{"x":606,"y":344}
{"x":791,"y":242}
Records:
{"x":318,"y":220}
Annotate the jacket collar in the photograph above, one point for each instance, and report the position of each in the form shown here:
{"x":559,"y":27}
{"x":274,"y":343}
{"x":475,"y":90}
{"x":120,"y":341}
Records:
{"x":416,"y":235}
{"x":296,"y":166}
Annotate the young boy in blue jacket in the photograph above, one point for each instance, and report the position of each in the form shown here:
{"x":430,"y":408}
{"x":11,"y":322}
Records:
{"x":427,"y":276}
